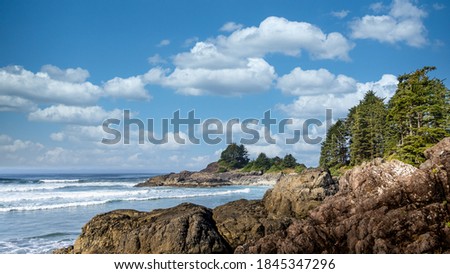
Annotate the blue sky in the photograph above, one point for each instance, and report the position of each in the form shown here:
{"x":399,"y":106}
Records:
{"x":66,"y":66}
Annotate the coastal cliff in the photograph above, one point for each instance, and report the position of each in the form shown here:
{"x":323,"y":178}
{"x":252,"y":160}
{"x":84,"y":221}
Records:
{"x":377,"y":207}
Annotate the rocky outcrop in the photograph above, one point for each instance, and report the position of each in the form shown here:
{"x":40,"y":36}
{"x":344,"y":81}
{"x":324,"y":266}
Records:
{"x":186,"y":228}
{"x":244,"y":221}
{"x":381,"y":207}
{"x":211,"y":179}
{"x":296,"y":194}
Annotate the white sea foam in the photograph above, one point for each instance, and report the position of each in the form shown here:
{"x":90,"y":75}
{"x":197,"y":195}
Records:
{"x":59,"y":180}
{"x":47,"y":202}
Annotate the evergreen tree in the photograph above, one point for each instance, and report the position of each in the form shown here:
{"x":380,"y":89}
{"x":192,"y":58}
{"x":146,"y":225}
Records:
{"x":262,"y":163}
{"x":418,"y":115}
{"x":334,"y":151}
{"x":367,"y":129}
{"x":234,"y":156}
{"x":289,"y":161}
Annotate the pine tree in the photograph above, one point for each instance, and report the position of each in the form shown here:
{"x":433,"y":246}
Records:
{"x":418,"y":116}
{"x":234,"y":156}
{"x":367,"y":129}
{"x":334,"y":152}
{"x":289,"y":161}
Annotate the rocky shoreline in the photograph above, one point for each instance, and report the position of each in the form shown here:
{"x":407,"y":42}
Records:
{"x":378,"y":207}
{"x":210,"y":179}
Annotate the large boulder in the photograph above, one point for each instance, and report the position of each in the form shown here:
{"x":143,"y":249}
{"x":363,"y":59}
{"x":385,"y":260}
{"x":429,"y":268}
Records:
{"x":296,"y":194}
{"x":244,"y":221}
{"x":186,"y":228}
{"x":381,"y":207}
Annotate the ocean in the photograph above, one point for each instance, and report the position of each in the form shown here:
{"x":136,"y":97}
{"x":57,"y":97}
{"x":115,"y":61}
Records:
{"x":39,"y":213}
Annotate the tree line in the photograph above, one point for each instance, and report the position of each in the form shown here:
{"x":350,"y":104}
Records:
{"x":236,"y":157}
{"x":414,"y":119}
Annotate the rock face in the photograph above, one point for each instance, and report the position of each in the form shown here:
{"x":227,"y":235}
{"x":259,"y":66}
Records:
{"x":296,"y":194}
{"x":205,"y":178}
{"x":186,"y":228}
{"x":244,"y":221}
{"x":381,"y":207}
{"x":292,"y":197}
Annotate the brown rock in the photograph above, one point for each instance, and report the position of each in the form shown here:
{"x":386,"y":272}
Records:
{"x":245,"y":221}
{"x":186,"y":228}
{"x":381,"y":207}
{"x":296,"y":194}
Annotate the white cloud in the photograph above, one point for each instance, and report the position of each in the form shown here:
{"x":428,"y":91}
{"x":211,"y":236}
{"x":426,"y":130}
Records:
{"x":234,"y":64}
{"x":206,"y":55}
{"x":230,"y":27}
{"x":314,"y":82}
{"x":377,"y":7}
{"x":73,"y":114}
{"x":190,"y":41}
{"x":14,"y":103}
{"x":130,"y":88}
{"x":5,"y":139}
{"x":23,"y":90}
{"x":41,"y":87}
{"x":9,"y":145}
{"x":340,"y":14}
{"x":164,"y":43}
{"x":279,"y":35}
{"x":156,"y":59}
{"x":58,"y":136}
{"x":256,"y":76}
{"x":315,"y":106}
{"x":404,"y":23}
{"x":77,"y":75}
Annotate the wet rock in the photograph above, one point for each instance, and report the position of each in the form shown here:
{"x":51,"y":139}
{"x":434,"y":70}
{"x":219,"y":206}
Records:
{"x":186,"y":228}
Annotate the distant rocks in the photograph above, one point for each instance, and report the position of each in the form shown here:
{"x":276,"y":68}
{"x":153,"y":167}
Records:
{"x":210,"y":178}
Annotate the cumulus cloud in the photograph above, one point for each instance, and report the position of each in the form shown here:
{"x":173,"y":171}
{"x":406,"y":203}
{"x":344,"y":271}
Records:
{"x":231,"y":26}
{"x":10,"y":145}
{"x":315,"y":82}
{"x":403,"y":23}
{"x":256,"y":76}
{"x":17,"y":104}
{"x":77,"y":75}
{"x":41,"y":87}
{"x":234,"y":64}
{"x":279,"y":35}
{"x":23,"y":90}
{"x":340,"y":14}
{"x":73,"y":114}
{"x":130,"y":88}
{"x":315,"y":106}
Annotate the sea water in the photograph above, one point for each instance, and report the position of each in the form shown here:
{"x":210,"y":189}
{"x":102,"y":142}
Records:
{"x":39,"y":213}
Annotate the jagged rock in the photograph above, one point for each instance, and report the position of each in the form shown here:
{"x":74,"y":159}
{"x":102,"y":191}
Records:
{"x":381,"y":207}
{"x":296,"y":194}
{"x":244,"y":221}
{"x":186,"y":228}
